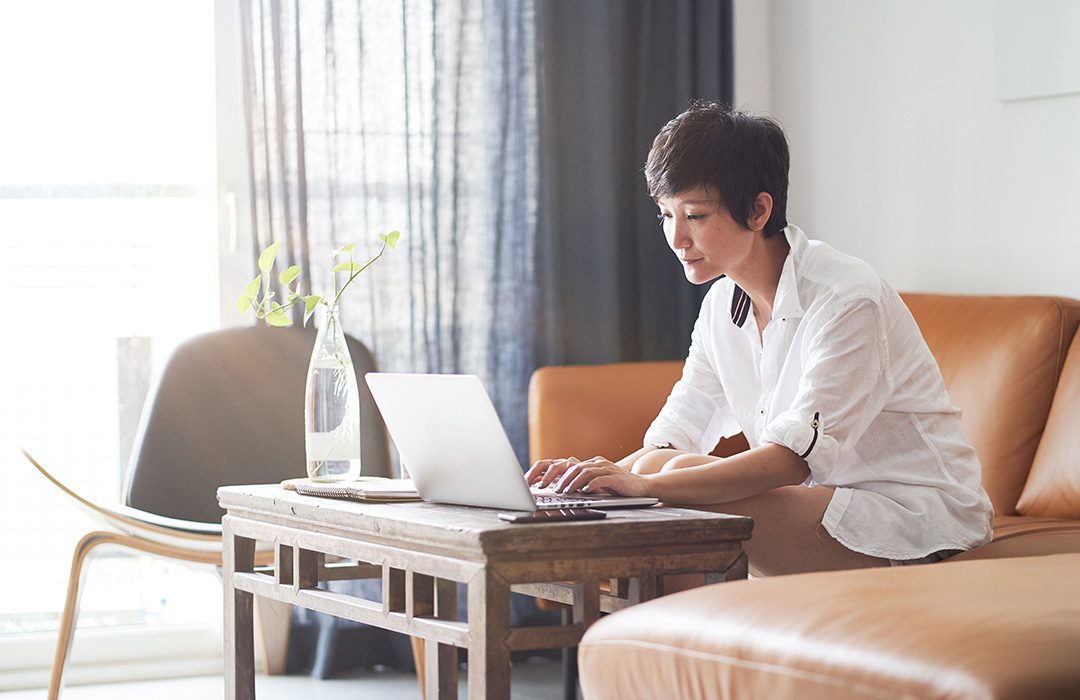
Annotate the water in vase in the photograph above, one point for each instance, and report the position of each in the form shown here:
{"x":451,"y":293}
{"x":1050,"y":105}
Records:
{"x":333,"y":422}
{"x":332,"y":409}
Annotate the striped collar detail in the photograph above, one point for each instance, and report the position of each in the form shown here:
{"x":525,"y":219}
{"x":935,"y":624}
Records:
{"x":740,"y":306}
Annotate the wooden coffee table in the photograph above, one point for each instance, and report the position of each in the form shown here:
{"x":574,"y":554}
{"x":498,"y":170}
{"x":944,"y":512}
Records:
{"x":423,"y":551}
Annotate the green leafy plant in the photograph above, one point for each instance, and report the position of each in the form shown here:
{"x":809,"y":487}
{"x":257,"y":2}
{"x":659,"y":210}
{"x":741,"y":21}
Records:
{"x":259,"y":293}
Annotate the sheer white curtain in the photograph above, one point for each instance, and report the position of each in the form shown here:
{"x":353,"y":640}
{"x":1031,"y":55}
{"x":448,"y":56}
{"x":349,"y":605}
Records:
{"x":368,"y":116}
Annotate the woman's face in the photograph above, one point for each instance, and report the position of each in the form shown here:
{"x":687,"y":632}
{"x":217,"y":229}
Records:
{"x":702,"y":234}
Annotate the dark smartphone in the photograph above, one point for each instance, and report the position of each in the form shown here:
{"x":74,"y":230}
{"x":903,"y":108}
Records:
{"x":551,"y":515}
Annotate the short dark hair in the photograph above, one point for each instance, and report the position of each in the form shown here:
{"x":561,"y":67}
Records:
{"x":739,"y":154}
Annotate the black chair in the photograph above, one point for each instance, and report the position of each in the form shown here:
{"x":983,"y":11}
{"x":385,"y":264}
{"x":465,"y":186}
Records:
{"x":227,"y":409}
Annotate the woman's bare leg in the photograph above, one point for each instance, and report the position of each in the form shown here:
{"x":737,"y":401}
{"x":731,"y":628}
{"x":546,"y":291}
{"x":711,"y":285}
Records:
{"x":788,"y":536}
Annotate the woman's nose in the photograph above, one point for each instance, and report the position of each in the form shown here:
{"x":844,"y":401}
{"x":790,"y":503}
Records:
{"x":679,"y":239}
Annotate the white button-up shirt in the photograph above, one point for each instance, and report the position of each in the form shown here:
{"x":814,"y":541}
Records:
{"x":841,"y":376}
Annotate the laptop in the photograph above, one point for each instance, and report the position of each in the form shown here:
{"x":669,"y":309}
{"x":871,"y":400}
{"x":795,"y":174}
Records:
{"x":456,"y":450}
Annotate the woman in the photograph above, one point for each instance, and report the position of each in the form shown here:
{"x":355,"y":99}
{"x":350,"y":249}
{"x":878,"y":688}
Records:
{"x":857,"y":455}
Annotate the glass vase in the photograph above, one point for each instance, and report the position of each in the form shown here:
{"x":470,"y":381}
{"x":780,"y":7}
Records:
{"x":331,"y":405}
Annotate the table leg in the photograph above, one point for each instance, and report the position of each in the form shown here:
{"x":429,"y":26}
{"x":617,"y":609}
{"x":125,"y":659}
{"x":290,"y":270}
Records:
{"x":644,"y":587}
{"x":489,"y":623}
{"x":738,"y":570}
{"x":238,"y":555}
{"x":441,"y":660}
{"x":427,"y":596}
{"x":569,"y":662}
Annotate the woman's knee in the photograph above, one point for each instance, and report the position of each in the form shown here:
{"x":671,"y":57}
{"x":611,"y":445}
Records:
{"x":654,"y":461}
{"x":687,"y":460}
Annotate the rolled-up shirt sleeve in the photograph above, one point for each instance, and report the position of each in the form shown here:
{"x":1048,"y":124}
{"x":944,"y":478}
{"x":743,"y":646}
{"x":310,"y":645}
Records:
{"x":696,"y":414}
{"x":844,"y":385}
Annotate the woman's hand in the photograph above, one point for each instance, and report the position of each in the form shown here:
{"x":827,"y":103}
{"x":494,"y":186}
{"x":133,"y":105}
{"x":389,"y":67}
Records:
{"x":544,"y":472}
{"x":598,"y":474}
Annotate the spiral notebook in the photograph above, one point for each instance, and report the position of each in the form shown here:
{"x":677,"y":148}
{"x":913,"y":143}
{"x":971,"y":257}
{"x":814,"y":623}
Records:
{"x":370,"y":489}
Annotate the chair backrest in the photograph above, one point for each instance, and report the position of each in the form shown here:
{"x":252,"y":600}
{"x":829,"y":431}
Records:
{"x":229,"y":409}
{"x":1000,"y":358}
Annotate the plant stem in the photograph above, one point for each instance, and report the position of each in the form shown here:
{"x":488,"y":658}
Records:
{"x":261,"y":314}
{"x":357,"y":273}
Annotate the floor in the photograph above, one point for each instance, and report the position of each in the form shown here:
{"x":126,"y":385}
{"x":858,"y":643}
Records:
{"x":534,"y":680}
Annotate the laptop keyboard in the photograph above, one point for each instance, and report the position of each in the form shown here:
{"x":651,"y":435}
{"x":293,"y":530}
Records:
{"x":550,"y":499}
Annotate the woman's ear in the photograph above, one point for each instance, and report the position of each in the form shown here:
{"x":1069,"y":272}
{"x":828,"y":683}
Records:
{"x":761,"y":212}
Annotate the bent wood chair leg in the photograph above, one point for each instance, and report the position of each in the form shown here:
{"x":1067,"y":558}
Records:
{"x":273,"y":620}
{"x":78,"y":569}
{"x":418,"y":661}
{"x":71,"y":608}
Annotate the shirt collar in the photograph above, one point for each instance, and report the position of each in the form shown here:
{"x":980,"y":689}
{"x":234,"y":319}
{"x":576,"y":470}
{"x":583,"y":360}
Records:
{"x":786,"y":303}
{"x":740,"y":305}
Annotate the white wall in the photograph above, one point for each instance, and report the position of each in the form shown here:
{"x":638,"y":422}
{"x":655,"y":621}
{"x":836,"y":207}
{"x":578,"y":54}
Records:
{"x":901,"y":154}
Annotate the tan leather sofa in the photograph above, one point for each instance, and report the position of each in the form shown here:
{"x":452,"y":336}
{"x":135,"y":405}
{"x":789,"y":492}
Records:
{"x":1002,"y":621}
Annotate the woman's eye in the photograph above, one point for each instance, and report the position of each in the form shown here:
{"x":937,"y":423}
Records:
{"x":694,"y":217}
{"x":660,"y":218}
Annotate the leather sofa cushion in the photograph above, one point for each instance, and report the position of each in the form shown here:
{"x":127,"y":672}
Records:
{"x":587,"y":410}
{"x":1053,"y":487}
{"x":1001,"y":628}
{"x":583,"y":411}
{"x":1000,"y":358}
{"x":1023,"y":536}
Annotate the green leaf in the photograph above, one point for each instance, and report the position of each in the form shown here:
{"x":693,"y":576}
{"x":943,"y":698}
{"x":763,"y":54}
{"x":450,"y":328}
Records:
{"x":349,"y":267}
{"x":343,"y":249}
{"x":243,"y":303}
{"x":266,"y":259}
{"x":390,"y":239}
{"x":277,"y":316}
{"x":289,"y":274}
{"x":279,"y":319}
{"x":252,"y":288}
{"x":310,"y":304}
{"x":293,"y":296}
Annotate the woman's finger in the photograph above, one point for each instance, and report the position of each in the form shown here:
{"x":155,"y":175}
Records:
{"x":621,"y":483}
{"x":601,"y":483}
{"x":536,"y":472}
{"x":565,"y":482}
{"x":585,"y":473}
{"x":562,"y":485}
{"x":567,"y":475}
{"x":555,"y":470}
{"x":537,"y":469}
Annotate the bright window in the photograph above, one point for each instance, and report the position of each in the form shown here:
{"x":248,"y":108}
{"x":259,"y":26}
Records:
{"x":108,"y":258}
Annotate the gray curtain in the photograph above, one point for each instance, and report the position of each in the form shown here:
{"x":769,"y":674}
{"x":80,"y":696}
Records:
{"x":614,"y":72}
{"x":367,"y":116}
